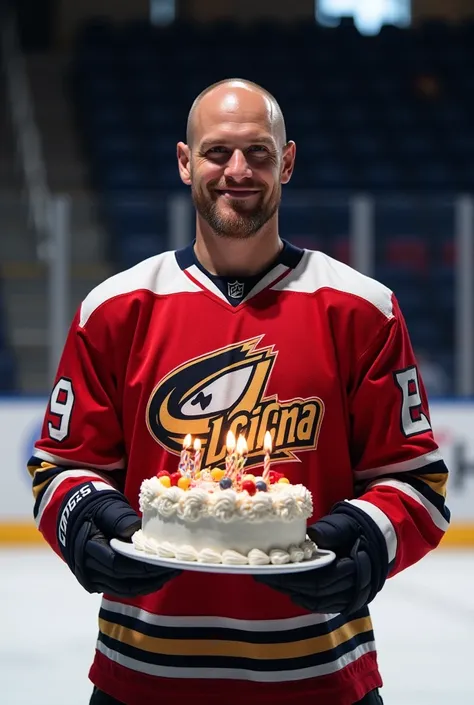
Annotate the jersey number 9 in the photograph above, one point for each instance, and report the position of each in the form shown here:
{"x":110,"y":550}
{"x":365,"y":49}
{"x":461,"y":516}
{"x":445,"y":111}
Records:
{"x":61,"y":405}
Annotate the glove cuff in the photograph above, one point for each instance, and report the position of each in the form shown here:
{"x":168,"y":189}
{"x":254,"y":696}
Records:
{"x":78,"y":504}
{"x":372,"y":541}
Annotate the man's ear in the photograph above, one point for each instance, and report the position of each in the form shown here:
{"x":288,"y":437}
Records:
{"x":183,"y":152}
{"x":288,"y":162}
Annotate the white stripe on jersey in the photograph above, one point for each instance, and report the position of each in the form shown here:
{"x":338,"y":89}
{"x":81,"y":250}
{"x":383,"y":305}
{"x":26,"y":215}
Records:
{"x":160,"y":274}
{"x":237,"y":673}
{"x":404,"y":466}
{"x":383,"y":522}
{"x":207,"y":283}
{"x":58,"y":460}
{"x":246,"y":625}
{"x":317,"y":270}
{"x":438,"y":520}
{"x":270,"y":277}
{"x":86,"y":475}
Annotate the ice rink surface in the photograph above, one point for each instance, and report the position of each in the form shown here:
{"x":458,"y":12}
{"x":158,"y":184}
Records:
{"x":423,"y":619}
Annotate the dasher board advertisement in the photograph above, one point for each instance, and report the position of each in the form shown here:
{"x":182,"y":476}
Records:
{"x":20,"y":424}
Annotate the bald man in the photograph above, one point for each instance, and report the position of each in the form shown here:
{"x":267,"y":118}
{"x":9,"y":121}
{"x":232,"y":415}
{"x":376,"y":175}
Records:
{"x":239,"y":331}
{"x":236,"y":159}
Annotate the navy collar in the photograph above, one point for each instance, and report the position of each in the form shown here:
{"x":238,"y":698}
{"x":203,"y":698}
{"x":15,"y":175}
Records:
{"x":236,"y":289}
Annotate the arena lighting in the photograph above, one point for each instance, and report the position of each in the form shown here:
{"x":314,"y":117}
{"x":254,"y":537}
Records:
{"x":369,"y":15}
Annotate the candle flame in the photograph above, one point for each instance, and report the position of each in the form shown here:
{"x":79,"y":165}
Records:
{"x":197,"y":444}
{"x":242,"y":448}
{"x":267,"y":442}
{"x":187,"y":441}
{"x":230,"y":442}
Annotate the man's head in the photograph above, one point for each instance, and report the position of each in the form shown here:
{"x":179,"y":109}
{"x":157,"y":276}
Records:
{"x":236,"y":157}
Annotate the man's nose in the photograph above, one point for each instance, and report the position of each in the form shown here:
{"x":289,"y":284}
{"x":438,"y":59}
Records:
{"x":237,"y":166}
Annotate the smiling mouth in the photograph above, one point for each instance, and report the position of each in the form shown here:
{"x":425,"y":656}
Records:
{"x":237,"y":193}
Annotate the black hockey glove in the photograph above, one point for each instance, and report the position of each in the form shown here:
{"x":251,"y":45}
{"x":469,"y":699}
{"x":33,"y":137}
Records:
{"x":88,"y":519}
{"x":353,"y":579}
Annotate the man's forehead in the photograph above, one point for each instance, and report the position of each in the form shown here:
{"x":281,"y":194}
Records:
{"x":235,"y":99}
{"x":237,"y":120}
{"x":236,"y":105}
{"x":236,"y":133}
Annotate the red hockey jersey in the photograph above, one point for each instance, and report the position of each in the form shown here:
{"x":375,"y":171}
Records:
{"x":316,"y":353}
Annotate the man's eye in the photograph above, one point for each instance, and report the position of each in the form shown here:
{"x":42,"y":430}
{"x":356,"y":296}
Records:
{"x":257,"y":148}
{"x":217,"y":150}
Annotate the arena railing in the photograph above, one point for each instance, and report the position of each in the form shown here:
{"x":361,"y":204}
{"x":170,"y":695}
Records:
{"x":425,"y":217}
{"x":48,"y":215}
{"x":353,"y":227}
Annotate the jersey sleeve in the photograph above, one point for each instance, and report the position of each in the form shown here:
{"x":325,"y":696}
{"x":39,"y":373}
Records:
{"x":81,"y":438}
{"x":400,"y":476}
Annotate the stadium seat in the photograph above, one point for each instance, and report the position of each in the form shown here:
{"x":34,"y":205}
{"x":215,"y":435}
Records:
{"x":407,"y":253}
{"x":129,"y":250}
{"x":389,"y":114}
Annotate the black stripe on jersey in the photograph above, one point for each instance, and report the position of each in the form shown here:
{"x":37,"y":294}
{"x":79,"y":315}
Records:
{"x":411,"y":477}
{"x":433,"y":497}
{"x":47,"y":474}
{"x":228,"y":634}
{"x":38,"y":500}
{"x":34,"y":462}
{"x":290,"y":256}
{"x":252,"y":664}
{"x":438,"y":467}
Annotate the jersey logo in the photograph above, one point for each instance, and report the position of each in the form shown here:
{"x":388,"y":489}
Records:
{"x":235,"y":289}
{"x":226,"y":390}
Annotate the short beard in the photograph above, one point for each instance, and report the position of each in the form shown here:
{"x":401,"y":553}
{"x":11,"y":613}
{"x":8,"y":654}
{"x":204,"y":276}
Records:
{"x":243,"y":225}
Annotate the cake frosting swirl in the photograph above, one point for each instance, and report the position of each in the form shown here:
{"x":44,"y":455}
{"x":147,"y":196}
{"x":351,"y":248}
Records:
{"x":245,"y":522}
{"x":285,"y":502}
{"x":257,"y":557}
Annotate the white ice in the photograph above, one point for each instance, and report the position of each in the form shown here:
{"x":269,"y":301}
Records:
{"x":423,"y":621}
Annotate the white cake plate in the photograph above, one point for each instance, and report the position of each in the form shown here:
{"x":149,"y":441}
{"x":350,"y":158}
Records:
{"x":321,"y":559}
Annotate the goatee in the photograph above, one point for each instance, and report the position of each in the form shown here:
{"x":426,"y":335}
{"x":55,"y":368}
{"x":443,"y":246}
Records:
{"x":242,"y":223}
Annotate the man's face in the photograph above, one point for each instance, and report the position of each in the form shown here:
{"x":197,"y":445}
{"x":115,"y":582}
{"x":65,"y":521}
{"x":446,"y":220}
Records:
{"x":235,"y":181}
{"x":236,"y":168}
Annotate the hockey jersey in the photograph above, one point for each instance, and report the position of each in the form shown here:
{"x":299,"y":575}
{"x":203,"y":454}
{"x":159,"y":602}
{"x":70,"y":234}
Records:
{"x":316,"y":353}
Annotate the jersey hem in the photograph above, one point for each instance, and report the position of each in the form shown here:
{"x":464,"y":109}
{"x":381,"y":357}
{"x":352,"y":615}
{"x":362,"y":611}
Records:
{"x":138,"y":689}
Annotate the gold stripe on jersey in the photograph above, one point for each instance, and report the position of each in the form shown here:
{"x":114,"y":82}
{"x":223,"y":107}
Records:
{"x":437,"y":481}
{"x":236,"y":649}
{"x":37,"y":471}
{"x":39,"y":488}
{"x":432,"y":486}
{"x":42,"y":467}
{"x":277,"y":674}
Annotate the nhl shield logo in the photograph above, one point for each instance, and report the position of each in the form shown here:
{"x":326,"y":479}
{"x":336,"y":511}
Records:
{"x":235,"y":289}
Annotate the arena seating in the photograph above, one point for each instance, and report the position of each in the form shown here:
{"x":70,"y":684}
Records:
{"x":389,"y":114}
{"x":7,"y":362}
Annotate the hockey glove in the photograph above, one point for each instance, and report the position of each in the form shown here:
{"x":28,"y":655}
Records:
{"x":353,"y":579}
{"x":88,"y":519}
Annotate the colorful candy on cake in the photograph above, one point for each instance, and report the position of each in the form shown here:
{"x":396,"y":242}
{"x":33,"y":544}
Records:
{"x":225,"y":515}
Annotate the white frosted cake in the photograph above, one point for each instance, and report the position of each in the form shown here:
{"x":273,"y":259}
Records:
{"x":211,"y":518}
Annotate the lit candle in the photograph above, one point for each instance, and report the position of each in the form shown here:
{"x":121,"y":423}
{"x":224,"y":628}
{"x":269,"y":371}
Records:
{"x":185,"y":457}
{"x":230,"y":457}
{"x":242,"y":450}
{"x":197,"y":455}
{"x":267,"y":446}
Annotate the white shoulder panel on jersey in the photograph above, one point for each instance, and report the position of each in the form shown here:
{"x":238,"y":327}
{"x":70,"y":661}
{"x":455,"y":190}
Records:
{"x":160,"y":274}
{"x":317,"y":270}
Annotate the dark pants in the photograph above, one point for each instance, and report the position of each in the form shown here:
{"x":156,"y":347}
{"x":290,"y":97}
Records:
{"x":100,"y":698}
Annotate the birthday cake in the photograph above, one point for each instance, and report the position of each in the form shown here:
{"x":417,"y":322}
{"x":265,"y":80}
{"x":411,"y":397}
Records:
{"x":225,"y":516}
